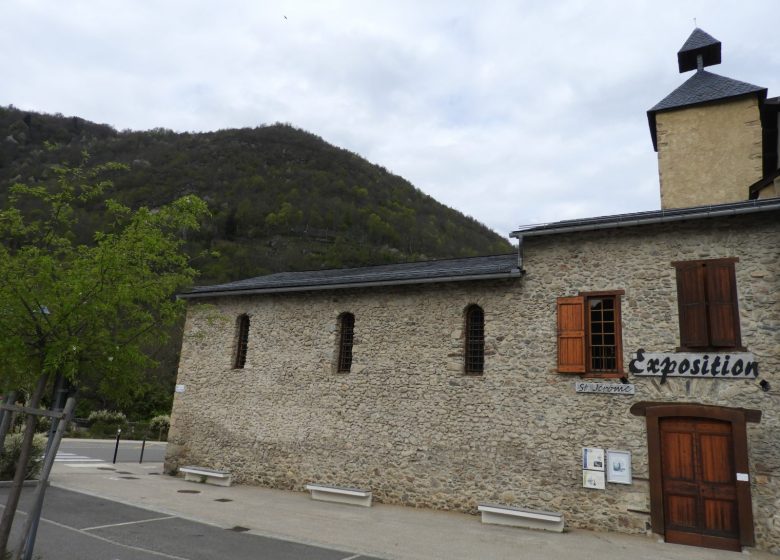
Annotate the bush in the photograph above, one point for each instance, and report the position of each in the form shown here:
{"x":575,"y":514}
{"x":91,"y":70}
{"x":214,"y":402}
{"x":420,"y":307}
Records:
{"x":43,"y":425}
{"x":161,"y":422}
{"x":106,"y":422}
{"x":10,"y":456}
{"x":158,"y":426}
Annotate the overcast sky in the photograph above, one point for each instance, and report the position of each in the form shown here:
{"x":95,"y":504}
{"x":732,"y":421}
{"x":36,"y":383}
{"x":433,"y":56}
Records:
{"x":514,"y":112}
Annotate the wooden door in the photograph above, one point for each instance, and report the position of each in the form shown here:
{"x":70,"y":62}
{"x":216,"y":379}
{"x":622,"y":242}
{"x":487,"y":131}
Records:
{"x":698,"y":474}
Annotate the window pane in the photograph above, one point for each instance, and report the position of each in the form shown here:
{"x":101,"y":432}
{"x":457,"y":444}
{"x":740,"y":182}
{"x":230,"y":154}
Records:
{"x":346,"y":336}
{"x":475,"y":340}
{"x":603,"y":340}
{"x":242,"y":342}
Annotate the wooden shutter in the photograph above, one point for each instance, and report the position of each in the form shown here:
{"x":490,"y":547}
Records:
{"x":692,"y":304}
{"x":571,"y":334}
{"x":722,"y":302}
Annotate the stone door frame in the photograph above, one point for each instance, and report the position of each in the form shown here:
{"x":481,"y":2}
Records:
{"x":737,"y":417}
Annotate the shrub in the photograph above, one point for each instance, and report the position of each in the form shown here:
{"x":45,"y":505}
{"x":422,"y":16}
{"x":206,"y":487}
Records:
{"x":161,"y":422}
{"x":106,"y":422}
{"x":43,"y":425}
{"x":10,"y":456}
{"x":107,"y":417}
{"x":158,"y":426}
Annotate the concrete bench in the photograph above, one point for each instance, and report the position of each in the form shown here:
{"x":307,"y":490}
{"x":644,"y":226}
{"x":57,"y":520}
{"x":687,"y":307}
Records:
{"x":209,"y":476}
{"x":352,"y":496}
{"x":518,"y":517}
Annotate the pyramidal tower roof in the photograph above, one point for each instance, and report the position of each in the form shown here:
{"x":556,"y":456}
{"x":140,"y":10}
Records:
{"x":699,"y":50}
{"x":700,"y":43}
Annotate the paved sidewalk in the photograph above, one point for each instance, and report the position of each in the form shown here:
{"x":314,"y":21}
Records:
{"x":391,"y":532}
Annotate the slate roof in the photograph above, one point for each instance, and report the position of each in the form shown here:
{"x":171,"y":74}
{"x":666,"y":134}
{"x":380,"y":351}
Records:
{"x":697,"y":40}
{"x":698,"y":43}
{"x":702,"y":87}
{"x":473,"y":268}
{"x":651,"y":217}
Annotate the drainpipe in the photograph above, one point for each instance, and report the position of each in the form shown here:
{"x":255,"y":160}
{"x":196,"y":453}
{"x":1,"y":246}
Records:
{"x":519,"y":253}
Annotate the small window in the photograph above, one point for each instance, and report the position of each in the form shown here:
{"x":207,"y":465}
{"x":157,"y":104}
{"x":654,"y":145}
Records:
{"x":346,"y":338}
{"x":475,"y":340}
{"x":242,"y":341}
{"x":707,"y":304}
{"x":589,"y":334}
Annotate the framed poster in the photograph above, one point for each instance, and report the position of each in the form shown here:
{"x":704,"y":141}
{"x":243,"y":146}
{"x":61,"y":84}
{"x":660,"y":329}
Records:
{"x":618,"y":466}
{"x":593,"y":479}
{"x":592,"y":459}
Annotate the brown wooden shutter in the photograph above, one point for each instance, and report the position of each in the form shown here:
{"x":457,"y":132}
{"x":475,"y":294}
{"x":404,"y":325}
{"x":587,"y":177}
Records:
{"x":722,"y":301}
{"x":692,"y":304}
{"x":571,"y":334}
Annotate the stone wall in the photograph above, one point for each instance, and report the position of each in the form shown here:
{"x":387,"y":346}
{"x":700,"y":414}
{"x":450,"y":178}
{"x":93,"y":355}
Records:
{"x":407,"y":423}
{"x":708,"y":154}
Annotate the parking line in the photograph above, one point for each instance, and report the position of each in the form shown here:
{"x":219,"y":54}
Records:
{"x":109,"y":541}
{"x":128,"y":523}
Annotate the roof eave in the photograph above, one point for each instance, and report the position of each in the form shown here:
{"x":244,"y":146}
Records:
{"x":651,"y":120}
{"x":705,"y":212}
{"x":515,"y":273}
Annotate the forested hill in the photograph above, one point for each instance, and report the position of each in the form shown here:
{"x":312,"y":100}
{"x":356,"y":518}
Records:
{"x":281,"y":198}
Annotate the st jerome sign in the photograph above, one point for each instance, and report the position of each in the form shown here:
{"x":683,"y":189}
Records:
{"x":720,"y":365}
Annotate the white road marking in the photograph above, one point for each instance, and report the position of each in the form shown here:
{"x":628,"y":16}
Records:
{"x":352,"y":557}
{"x":128,"y":523}
{"x":86,"y":465}
{"x":72,"y":457}
{"x":109,"y":541}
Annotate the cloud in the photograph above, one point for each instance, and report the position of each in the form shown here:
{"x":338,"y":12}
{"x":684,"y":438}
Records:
{"x":511,"y":112}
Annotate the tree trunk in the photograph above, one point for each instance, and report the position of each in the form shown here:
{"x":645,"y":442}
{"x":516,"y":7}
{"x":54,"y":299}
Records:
{"x":21,"y":470}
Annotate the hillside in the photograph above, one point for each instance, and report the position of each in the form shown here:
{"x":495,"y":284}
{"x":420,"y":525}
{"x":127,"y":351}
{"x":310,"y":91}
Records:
{"x":281,"y":198}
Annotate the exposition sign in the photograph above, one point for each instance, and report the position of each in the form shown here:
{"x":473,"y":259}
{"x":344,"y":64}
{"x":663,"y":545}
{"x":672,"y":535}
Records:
{"x":713,"y":365}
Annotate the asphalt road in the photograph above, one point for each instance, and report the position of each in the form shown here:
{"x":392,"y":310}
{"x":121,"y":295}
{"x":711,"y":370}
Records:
{"x":100,"y":450}
{"x":81,"y":527}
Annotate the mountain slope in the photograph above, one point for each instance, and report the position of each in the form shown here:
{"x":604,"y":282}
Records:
{"x":282,"y":198}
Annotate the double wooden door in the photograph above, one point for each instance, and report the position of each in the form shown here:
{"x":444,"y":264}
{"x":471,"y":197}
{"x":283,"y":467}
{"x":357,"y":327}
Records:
{"x":700,"y":498}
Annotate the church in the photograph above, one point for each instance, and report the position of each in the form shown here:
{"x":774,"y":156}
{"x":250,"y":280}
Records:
{"x":621,"y":370}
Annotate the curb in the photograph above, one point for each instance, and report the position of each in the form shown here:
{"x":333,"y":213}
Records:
{"x":9,"y":483}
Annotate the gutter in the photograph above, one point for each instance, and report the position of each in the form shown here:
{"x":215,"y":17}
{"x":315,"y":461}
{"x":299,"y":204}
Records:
{"x":514,"y":273}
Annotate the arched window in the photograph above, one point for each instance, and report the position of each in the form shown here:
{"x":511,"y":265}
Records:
{"x":242,"y":341}
{"x":346,"y":336}
{"x":475,"y":340}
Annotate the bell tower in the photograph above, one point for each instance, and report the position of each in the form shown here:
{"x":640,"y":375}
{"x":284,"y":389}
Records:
{"x":707,"y":132}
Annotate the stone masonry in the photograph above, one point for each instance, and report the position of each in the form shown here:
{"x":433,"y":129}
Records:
{"x":408,"y":424}
{"x":708,"y":154}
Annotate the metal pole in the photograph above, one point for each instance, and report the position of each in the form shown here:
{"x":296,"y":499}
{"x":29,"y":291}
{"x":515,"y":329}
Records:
{"x":116,"y":448}
{"x":143,"y":446}
{"x":27,"y":536}
{"x":57,"y":405}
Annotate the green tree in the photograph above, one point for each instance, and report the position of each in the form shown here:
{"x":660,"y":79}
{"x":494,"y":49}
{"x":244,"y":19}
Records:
{"x":85,"y":308}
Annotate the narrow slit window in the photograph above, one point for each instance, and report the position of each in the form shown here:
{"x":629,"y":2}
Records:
{"x":475,"y":340}
{"x":242,"y":342}
{"x":346,"y":338}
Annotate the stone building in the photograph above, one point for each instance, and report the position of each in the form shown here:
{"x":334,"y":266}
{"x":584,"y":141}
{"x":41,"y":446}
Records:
{"x":650,"y":341}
